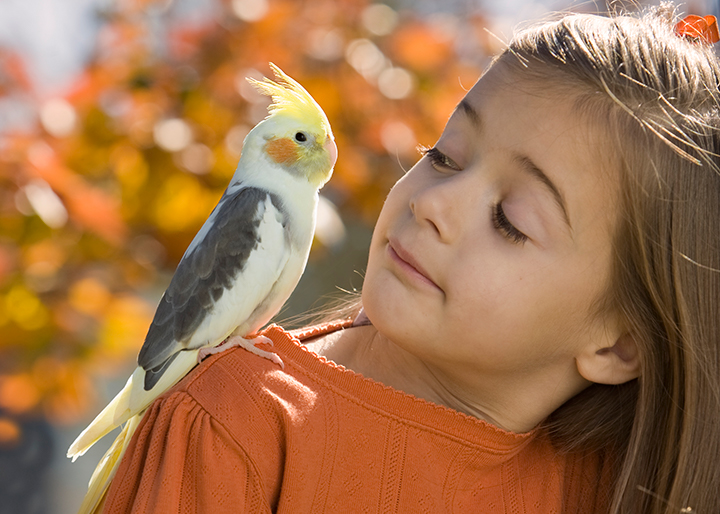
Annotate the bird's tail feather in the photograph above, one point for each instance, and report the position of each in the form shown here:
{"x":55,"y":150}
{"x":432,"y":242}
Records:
{"x":106,"y":468}
{"x":114,"y":414}
{"x":132,"y":400}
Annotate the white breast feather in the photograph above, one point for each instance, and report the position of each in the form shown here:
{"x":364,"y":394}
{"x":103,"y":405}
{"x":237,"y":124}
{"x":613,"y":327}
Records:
{"x":253,"y":283}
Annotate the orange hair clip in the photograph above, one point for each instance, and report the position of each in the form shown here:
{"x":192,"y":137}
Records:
{"x":698,"y":28}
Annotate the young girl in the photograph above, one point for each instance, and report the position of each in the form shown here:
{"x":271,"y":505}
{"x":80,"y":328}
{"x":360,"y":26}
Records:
{"x":539,"y":325}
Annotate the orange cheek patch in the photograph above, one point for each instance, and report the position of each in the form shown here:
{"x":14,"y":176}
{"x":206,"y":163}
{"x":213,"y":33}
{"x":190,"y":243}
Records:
{"x":282,"y":150}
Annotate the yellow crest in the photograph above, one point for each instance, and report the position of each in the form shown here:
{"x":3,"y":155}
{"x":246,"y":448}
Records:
{"x":291,"y":99}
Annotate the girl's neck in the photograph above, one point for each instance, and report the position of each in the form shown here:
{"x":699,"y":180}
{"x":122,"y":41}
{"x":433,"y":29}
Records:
{"x":516,"y":405}
{"x":364,"y":350}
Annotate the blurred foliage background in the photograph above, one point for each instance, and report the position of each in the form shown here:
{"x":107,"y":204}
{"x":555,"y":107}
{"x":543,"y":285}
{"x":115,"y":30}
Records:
{"x":104,"y":183}
{"x":101,"y":195}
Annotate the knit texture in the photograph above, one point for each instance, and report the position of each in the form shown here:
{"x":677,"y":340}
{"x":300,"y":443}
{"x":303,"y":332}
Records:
{"x":239,"y":434}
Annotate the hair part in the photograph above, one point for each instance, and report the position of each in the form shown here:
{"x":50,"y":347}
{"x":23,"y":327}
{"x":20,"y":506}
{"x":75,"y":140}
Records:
{"x":657,"y":95}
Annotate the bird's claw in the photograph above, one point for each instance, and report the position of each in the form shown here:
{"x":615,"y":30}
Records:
{"x":248,"y":344}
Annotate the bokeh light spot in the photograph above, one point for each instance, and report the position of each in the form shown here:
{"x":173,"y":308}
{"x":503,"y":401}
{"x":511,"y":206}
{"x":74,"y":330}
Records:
{"x":172,"y":134}
{"x":246,"y":89}
{"x":234,"y":139}
{"x":395,"y":83}
{"x":147,"y":251}
{"x":250,"y":10}
{"x":379,"y":19}
{"x":365,"y":57}
{"x":46,"y":203}
{"x":397,"y":138}
{"x":58,"y":117}
{"x":197,"y":158}
{"x":325,"y":45}
{"x":330,"y":229}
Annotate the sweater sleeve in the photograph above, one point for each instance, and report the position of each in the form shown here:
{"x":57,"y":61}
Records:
{"x":181,"y":460}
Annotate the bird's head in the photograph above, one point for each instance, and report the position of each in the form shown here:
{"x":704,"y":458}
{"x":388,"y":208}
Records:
{"x":296,"y":132}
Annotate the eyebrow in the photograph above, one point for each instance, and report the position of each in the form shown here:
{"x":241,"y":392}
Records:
{"x":525,"y":162}
{"x":470,"y":112}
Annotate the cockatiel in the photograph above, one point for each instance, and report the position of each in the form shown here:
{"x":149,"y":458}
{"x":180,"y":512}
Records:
{"x":238,"y":270}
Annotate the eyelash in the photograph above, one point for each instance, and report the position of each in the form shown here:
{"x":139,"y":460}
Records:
{"x":500,"y":221}
{"x":437,"y":158}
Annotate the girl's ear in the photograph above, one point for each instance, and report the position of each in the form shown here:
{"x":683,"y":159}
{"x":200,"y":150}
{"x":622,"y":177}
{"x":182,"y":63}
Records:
{"x":611,"y":365}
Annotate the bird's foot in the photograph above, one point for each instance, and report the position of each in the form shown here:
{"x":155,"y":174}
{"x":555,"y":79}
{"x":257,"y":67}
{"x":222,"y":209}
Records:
{"x":248,"y":344}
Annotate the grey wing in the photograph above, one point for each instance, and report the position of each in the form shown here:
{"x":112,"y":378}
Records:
{"x":206,"y":272}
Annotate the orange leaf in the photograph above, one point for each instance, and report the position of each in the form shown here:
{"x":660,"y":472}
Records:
{"x":18,"y":393}
{"x":420,"y":48}
{"x":698,"y":28}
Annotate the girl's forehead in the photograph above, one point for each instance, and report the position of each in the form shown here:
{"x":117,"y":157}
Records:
{"x":503,"y":95}
{"x":540,"y":98}
{"x":507,"y":75}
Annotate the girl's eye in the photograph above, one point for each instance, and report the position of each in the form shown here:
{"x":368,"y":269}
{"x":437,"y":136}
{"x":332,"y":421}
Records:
{"x":439,"y":159}
{"x":501,"y":223}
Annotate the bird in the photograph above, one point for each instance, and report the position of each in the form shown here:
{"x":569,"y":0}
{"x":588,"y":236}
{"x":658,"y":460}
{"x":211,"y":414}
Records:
{"x":239,"y":269}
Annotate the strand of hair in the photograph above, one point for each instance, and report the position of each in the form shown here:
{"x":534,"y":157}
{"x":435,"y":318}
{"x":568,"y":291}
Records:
{"x":683,"y":510}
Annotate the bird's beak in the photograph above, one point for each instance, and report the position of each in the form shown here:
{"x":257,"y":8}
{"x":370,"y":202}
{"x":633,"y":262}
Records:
{"x":331,"y":147}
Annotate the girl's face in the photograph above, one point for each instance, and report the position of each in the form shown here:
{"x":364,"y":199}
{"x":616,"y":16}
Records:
{"x":490,"y":254}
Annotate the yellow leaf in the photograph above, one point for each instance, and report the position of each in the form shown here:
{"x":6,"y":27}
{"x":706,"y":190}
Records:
{"x":130,"y":167}
{"x":183,"y":203}
{"x":25,"y":308}
{"x":89,"y":296}
{"x":125,"y":326}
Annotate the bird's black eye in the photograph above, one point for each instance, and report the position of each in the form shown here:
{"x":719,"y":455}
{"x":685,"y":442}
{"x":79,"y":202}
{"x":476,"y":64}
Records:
{"x":300,"y":137}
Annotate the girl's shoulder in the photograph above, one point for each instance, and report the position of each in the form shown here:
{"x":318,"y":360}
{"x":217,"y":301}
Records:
{"x":236,"y":383}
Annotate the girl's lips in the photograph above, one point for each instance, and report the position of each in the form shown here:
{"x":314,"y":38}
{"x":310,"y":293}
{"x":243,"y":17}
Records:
{"x":408,"y":263}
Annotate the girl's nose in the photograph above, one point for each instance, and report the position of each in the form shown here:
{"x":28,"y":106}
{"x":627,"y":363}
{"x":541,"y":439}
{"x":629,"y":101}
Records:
{"x":438,"y":206}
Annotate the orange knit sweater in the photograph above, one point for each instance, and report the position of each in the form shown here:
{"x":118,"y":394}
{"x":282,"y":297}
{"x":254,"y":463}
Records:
{"x":239,"y":434}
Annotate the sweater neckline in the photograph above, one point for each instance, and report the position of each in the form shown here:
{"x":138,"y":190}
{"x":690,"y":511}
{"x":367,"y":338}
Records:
{"x":388,"y":400}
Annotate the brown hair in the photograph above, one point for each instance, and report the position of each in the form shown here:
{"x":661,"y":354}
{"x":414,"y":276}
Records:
{"x":657,"y":94}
